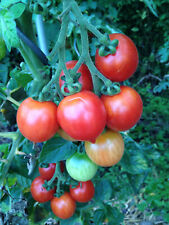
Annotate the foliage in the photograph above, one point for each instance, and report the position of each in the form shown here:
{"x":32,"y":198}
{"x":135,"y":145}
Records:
{"x":143,"y":170}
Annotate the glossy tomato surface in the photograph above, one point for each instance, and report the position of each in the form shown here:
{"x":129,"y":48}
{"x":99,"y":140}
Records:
{"x":121,"y":65}
{"x":85,"y":79}
{"x":84,"y":192}
{"x":82,"y":116}
{"x":123,"y":109}
{"x":107,"y":150}
{"x":64,"y":135}
{"x":80,"y":167}
{"x":39,"y":193}
{"x":64,"y":206}
{"x":47,"y":172}
{"x":37,"y":121}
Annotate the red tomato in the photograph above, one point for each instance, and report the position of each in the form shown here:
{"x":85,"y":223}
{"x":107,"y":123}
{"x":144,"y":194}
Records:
{"x":121,"y":65}
{"x":85,"y":78}
{"x":37,"y":121}
{"x":39,"y":193}
{"x":84,"y":192}
{"x":47,"y":172}
{"x":63,"y":207}
{"x":82,"y":116}
{"x":123,"y":109}
{"x":107,"y":150}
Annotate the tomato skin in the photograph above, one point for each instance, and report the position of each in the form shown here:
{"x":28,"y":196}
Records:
{"x":121,"y":65}
{"x":82,"y":116}
{"x":83,"y":193}
{"x":2,"y":49}
{"x":85,"y":79}
{"x":39,"y":193}
{"x":65,"y":136}
{"x":64,"y":206}
{"x":123,"y":109}
{"x":80,"y":167}
{"x":107,"y":150}
{"x":47,"y":172}
{"x":37,"y":121}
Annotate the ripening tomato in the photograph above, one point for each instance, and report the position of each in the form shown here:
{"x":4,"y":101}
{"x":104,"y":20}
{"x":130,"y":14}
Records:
{"x":64,"y":135}
{"x":107,"y":150}
{"x":82,"y":116}
{"x":84,"y":191}
{"x":64,"y":206}
{"x":39,"y":193}
{"x":47,"y":172}
{"x":80,"y":167}
{"x":37,"y":121}
{"x":121,"y":65}
{"x":85,"y":79}
{"x":2,"y":49}
{"x":123,"y":109}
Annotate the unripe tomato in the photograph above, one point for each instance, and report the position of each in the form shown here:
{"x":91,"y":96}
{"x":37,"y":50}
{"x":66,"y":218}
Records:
{"x":64,"y":206}
{"x":82,"y":116}
{"x":123,"y":109}
{"x":39,"y":193}
{"x":80,"y":167}
{"x":107,"y":150}
{"x":121,"y":65}
{"x":65,"y":136}
{"x":84,"y":191}
{"x":37,"y":121}
{"x":2,"y":49}
{"x":85,"y":79}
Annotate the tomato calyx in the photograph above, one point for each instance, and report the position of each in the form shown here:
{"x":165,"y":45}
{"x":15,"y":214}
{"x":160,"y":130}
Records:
{"x":110,"y":88}
{"x":108,"y":48}
{"x":72,"y":88}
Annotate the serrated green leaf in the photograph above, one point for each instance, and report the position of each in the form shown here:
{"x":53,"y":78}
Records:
{"x":22,"y":77}
{"x":17,"y":10}
{"x":105,"y":188}
{"x":56,"y":149}
{"x":8,"y":29}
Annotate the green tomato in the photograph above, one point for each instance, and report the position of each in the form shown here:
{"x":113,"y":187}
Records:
{"x":2,"y":49}
{"x":80,"y":167}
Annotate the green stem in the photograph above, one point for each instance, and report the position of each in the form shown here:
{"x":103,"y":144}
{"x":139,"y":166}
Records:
{"x":9,"y":98}
{"x":11,"y":135}
{"x":10,"y":157}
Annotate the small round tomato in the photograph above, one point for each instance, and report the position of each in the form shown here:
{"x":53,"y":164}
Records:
{"x":65,"y":136}
{"x":84,"y":192}
{"x":64,"y":206}
{"x":39,"y":193}
{"x":85,"y":79}
{"x":80,"y":167}
{"x":47,"y":172}
{"x":2,"y":49}
{"x":82,"y":116}
{"x":37,"y":121}
{"x":121,"y":65}
{"x":107,"y":150}
{"x":123,"y":109}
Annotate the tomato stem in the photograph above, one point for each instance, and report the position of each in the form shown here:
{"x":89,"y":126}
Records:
{"x":9,"y":98}
{"x":10,"y":135}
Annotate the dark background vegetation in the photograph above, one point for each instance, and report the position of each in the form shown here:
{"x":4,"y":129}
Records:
{"x":138,"y":187}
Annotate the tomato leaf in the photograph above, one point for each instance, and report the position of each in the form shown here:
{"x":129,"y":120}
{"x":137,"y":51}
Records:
{"x":103,"y":187}
{"x":56,"y":149}
{"x":17,"y":10}
{"x":74,"y":220}
{"x":99,"y":216}
{"x":114,"y":216}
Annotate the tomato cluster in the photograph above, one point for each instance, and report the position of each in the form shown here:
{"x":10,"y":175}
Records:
{"x":84,"y":116}
{"x":65,"y":205}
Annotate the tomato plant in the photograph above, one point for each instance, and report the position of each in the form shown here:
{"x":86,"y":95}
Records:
{"x":2,"y":49}
{"x":123,"y":109}
{"x":85,"y":79}
{"x":37,"y":121}
{"x":83,"y":192}
{"x":108,"y":149}
{"x":47,"y":172}
{"x":64,"y":206}
{"x":39,"y":193}
{"x":82,"y":116}
{"x":121,"y":65}
{"x":80,"y":167}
